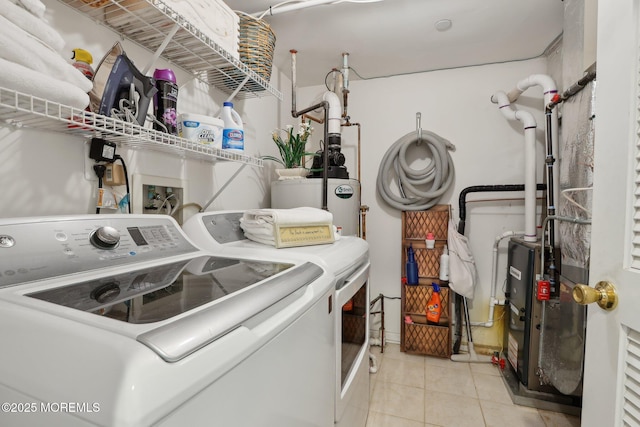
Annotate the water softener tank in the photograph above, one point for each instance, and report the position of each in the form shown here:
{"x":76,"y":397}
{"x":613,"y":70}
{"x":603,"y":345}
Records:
{"x":343,"y":199}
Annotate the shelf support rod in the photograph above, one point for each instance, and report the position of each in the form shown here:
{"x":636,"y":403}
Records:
{"x":240,"y":86}
{"x":215,"y":196}
{"x":161,"y":49}
{"x":233,"y":95}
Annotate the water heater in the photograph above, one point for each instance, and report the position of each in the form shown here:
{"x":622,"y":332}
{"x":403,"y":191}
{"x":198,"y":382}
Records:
{"x":343,"y":199}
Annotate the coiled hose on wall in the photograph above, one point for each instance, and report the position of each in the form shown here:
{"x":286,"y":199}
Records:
{"x":435,"y":178}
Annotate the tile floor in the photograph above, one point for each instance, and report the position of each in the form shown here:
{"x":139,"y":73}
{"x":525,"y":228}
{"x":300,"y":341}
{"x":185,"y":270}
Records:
{"x":421,"y":391}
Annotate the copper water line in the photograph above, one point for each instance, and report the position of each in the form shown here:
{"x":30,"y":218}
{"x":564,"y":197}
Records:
{"x":306,"y":116}
{"x":363,"y":219}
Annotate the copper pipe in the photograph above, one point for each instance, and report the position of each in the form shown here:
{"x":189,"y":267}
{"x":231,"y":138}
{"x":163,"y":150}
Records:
{"x":293,"y":81}
{"x":363,"y":219}
{"x":315,"y":119}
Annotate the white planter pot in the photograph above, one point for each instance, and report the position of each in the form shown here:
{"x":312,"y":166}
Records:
{"x":292,"y":173}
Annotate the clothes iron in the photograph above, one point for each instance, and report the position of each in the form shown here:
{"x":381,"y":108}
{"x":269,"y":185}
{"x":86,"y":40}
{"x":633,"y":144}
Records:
{"x":101,"y":75}
{"x":127,"y":92}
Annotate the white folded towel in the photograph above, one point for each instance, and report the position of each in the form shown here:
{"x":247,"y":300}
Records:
{"x":294,"y":216}
{"x":265,"y":230}
{"x":32,"y":24}
{"x":22,"y":79}
{"x":36,"y":7}
{"x":271,"y":241}
{"x":16,"y":45}
{"x":259,"y":225}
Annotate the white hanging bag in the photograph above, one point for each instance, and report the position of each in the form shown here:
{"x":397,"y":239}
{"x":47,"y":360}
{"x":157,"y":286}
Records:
{"x":462,"y":265}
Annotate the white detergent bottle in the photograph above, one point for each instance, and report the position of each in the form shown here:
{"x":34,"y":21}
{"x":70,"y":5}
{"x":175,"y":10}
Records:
{"x":444,"y":264}
{"x":232,"y":133}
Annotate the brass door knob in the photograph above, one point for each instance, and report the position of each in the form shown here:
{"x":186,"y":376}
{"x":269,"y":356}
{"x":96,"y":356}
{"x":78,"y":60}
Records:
{"x":604,"y":293}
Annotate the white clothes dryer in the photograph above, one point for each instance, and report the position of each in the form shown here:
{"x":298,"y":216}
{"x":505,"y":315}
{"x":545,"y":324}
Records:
{"x":348,"y":260}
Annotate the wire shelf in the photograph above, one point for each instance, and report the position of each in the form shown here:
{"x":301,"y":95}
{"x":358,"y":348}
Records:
{"x":150,"y":23}
{"x":19,"y":109}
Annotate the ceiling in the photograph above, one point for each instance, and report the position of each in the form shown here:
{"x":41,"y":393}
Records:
{"x":394,"y":37}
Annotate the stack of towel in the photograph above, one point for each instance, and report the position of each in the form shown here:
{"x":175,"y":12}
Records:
{"x":259,"y":225}
{"x":30,"y":59}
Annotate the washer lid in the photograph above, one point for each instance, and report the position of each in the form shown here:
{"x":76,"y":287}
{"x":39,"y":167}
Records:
{"x":159,"y":293}
{"x":176,"y":340}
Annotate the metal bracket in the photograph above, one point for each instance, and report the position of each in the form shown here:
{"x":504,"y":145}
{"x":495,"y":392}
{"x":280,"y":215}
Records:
{"x":215,"y":196}
{"x":160,"y":49}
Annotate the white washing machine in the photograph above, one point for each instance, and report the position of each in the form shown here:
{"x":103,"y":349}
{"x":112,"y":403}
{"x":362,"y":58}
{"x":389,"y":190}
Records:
{"x":120,"y":320}
{"x":348,"y":260}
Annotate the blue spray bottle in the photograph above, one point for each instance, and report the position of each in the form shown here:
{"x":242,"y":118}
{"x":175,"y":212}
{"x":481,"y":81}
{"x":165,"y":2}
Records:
{"x":412,"y":267}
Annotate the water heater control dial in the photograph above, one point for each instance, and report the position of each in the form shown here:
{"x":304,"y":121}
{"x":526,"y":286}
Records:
{"x":105,"y":237}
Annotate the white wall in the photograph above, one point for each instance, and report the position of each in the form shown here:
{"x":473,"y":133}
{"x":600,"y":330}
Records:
{"x":454,"y":104}
{"x":43,"y":172}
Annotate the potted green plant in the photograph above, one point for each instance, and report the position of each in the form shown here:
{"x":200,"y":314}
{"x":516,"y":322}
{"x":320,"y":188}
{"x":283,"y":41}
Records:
{"x":292,"y":150}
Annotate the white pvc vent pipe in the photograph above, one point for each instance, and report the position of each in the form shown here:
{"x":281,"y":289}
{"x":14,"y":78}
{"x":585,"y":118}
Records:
{"x":493,"y":301}
{"x":529,"y":124}
{"x":283,"y":7}
{"x":549,"y":90}
{"x":335,"y":112}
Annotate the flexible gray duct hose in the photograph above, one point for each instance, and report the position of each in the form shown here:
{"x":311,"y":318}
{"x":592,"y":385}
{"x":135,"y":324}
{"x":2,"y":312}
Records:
{"x":439,"y":172}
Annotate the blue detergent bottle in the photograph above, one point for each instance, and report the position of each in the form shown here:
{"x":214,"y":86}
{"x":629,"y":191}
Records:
{"x":412,"y":267}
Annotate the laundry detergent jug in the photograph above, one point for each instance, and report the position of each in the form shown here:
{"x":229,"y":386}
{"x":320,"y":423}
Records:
{"x":232,"y":133}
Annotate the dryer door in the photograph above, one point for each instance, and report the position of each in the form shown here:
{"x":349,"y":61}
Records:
{"x":352,"y":385}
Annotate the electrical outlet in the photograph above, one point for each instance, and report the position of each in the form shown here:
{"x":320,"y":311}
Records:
{"x":158,"y":195}
{"x":114,"y":175}
{"x":96,"y":155}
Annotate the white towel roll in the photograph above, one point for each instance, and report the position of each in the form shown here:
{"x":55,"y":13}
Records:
{"x":294,"y":216}
{"x":36,"y":7}
{"x":22,"y":79}
{"x":17,"y":46}
{"x":32,"y":25}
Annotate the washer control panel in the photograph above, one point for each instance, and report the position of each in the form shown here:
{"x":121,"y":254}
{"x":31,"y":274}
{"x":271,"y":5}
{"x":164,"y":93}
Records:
{"x":35,"y":249}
